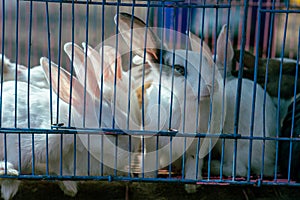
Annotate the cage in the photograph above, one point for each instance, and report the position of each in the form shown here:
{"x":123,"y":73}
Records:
{"x":195,"y":92}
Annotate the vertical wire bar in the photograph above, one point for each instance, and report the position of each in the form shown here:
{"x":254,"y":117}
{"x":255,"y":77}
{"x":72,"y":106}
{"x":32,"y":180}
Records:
{"x":50,"y":78}
{"x":101,"y":86}
{"x":17,"y":55}
{"x":16,"y":78}
{"x":129,"y":84}
{"x":212,"y":90}
{"x":200,"y":66}
{"x":116,"y":66}
{"x":173,"y":67}
{"x":225,"y":65}
{"x":172,"y":89}
{"x":85,"y":81}
{"x":224,"y":89}
{"x":189,"y":21}
{"x":265,"y":87}
{"x":143,"y":89}
{"x":294,"y":108}
{"x":257,"y":36}
{"x":280,"y":78}
{"x":159,"y":85}
{"x":1,"y":85}
{"x":71,"y":84}
{"x":239,"y":85}
{"x":199,"y":91}
{"x":222,"y":158}
{"x":58,"y":86}
{"x":28,"y":83}
{"x":115,"y":88}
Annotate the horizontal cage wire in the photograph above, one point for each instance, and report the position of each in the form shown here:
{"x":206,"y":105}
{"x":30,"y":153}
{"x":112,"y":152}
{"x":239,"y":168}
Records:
{"x":194,"y":92}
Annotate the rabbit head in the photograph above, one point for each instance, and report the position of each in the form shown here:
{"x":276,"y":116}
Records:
{"x":197,"y":85}
{"x":101,"y":76}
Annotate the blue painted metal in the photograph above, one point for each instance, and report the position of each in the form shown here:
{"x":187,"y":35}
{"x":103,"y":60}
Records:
{"x":68,"y":129}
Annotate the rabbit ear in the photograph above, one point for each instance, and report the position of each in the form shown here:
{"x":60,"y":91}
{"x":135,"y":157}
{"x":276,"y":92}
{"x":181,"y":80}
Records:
{"x":96,"y":60}
{"x":137,"y":35}
{"x":196,"y":42}
{"x":6,"y":63}
{"x":64,"y":90}
{"x":109,"y":60}
{"x":221,"y":44}
{"x":79,"y":66}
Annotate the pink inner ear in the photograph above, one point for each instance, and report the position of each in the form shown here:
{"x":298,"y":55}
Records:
{"x":119,"y":67}
{"x":109,"y":64}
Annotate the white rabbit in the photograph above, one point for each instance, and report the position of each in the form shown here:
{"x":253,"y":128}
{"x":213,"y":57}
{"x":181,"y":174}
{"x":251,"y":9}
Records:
{"x":182,"y":102}
{"x":245,"y":122}
{"x":37,"y":77}
{"x":40,"y":118}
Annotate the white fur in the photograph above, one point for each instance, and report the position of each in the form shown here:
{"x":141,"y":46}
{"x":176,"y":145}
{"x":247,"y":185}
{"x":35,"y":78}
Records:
{"x":40,"y":118}
{"x":37,"y":77}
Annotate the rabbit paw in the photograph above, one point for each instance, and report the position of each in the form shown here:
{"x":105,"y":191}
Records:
{"x":69,"y":188}
{"x":10,"y":170}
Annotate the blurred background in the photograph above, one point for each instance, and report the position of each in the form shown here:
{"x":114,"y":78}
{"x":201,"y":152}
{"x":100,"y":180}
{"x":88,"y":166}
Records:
{"x":167,"y":16}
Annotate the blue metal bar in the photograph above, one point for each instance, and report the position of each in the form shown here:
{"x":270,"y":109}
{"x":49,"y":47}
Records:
{"x":143,"y":73}
{"x":225,"y":67}
{"x":156,"y":180}
{"x":153,"y":4}
{"x":71,"y":85}
{"x":173,"y":66}
{"x":28,"y":86}
{"x":85,"y":80}
{"x":16,"y":78}
{"x":200,"y":67}
{"x":278,"y":128}
{"x":239,"y":86}
{"x":16,"y":64}
{"x":198,"y":92}
{"x":1,"y":86}
{"x":115,"y":86}
{"x":188,"y":21}
{"x":50,"y":78}
{"x":58,"y":86}
{"x":162,"y":33}
{"x":101,"y":86}
{"x":266,"y":81}
{"x":294,"y":107}
{"x":129,"y":84}
{"x":116,"y":66}
{"x":254,"y":90}
{"x":174,"y":20}
{"x":2,"y":61}
{"x":143,"y":87}
{"x":222,"y":159}
{"x":161,"y":133}
{"x":279,"y":11}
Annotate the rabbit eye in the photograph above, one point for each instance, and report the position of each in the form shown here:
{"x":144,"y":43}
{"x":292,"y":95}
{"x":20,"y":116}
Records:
{"x":179,"y":69}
